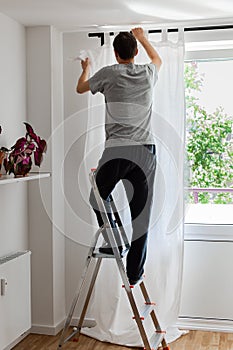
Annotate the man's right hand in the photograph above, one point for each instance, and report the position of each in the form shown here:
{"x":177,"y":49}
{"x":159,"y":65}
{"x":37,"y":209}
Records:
{"x":138,"y":33}
{"x":83,"y":83}
{"x":85,"y":64}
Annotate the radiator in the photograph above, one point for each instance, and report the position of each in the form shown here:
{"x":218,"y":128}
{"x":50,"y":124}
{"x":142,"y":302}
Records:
{"x":15,"y":297}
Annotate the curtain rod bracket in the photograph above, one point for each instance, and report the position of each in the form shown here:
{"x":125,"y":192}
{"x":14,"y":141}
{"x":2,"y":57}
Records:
{"x":99,"y":35}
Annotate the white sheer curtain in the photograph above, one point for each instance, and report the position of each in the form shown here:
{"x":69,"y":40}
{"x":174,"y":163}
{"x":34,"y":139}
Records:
{"x":163,"y":269}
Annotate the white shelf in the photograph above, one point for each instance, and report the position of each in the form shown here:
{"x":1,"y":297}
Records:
{"x":8,"y":179}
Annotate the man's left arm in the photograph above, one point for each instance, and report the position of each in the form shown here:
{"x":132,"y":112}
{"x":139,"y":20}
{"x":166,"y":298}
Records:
{"x":83,"y":82}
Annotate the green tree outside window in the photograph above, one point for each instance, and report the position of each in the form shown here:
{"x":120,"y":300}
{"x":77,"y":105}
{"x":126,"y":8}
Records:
{"x":209,"y":143}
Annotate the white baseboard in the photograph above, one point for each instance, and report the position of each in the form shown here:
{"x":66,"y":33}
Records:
{"x":205,"y":324}
{"x":54,"y":330}
{"x":46,"y":329}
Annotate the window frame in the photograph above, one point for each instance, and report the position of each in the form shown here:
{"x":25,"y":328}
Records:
{"x":202,"y":231}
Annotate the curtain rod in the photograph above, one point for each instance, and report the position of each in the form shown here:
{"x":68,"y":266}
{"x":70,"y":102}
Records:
{"x":170,"y":30}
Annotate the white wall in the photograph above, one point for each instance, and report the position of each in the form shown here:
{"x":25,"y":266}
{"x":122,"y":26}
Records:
{"x":46,"y":238}
{"x":13,"y":207}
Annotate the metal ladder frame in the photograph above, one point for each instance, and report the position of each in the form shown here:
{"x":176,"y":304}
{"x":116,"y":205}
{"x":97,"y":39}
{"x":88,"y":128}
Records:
{"x":148,"y":308}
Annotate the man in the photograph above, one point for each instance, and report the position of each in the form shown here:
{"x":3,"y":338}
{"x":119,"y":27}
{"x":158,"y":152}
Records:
{"x":129,"y":153}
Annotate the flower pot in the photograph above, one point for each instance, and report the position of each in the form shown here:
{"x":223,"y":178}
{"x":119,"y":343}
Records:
{"x":23,"y":168}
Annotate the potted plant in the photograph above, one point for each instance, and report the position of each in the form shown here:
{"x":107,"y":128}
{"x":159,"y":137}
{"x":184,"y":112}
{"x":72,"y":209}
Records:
{"x":19,"y":157}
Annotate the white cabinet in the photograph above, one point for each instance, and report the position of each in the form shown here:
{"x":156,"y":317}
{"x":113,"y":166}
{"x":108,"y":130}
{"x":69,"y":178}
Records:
{"x":15,"y":297}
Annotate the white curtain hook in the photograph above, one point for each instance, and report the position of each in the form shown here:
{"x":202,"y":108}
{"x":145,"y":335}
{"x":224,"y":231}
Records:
{"x":107,"y":40}
{"x":164,"y":34}
{"x":180,"y":34}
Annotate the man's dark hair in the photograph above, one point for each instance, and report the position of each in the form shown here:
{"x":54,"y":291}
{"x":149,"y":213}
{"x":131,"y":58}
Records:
{"x":125,"y":45}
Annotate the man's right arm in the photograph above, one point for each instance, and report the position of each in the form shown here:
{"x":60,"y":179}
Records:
{"x":151,"y":52}
{"x":83,"y":82}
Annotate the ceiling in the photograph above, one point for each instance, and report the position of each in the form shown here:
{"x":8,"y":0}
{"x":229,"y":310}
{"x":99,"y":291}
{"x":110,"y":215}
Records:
{"x":71,"y":14}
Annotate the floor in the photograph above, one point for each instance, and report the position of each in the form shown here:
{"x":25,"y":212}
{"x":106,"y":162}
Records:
{"x":194,"y":340}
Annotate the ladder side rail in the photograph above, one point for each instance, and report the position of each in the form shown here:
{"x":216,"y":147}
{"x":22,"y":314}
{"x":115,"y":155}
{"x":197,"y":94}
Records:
{"x":164,"y":344}
{"x":138,"y":320}
{"x":155,"y":321}
{"x":89,"y":293}
{"x":148,"y":301}
{"x":156,"y":340}
{"x":79,"y":289}
{"x":145,"y":293}
{"x":72,"y":308}
{"x":70,"y":336}
{"x":153,"y":314}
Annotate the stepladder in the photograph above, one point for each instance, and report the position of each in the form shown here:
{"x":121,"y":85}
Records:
{"x":117,"y":237}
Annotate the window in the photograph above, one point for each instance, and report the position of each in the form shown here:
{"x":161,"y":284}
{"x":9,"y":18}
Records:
{"x":209,"y":141}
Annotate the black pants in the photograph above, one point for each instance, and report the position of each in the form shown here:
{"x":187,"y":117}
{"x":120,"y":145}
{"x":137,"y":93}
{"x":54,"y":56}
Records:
{"x":135,"y":166}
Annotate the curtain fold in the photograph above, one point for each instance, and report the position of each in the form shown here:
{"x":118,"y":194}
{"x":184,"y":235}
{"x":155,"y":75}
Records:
{"x":163,"y":269}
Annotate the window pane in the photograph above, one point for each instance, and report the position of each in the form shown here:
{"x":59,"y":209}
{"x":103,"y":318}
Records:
{"x":209,"y":142}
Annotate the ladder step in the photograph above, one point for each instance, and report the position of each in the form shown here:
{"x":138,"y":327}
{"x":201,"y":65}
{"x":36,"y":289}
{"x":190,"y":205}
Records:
{"x":155,"y":341}
{"x":98,"y":254}
{"x":145,"y":311}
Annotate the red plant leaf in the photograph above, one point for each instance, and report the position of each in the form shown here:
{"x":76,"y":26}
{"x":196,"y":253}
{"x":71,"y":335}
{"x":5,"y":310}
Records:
{"x":42,"y":146}
{"x":29,"y":129}
{"x":32,"y":135}
{"x":26,"y":160}
{"x":20,"y":143}
{"x":31,"y":146}
{"x":38,"y":157}
{"x":27,"y":152}
{"x":18,"y":159}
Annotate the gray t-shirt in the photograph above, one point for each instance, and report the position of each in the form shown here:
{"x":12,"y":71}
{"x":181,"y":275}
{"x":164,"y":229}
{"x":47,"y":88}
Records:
{"x":128,"y":92}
